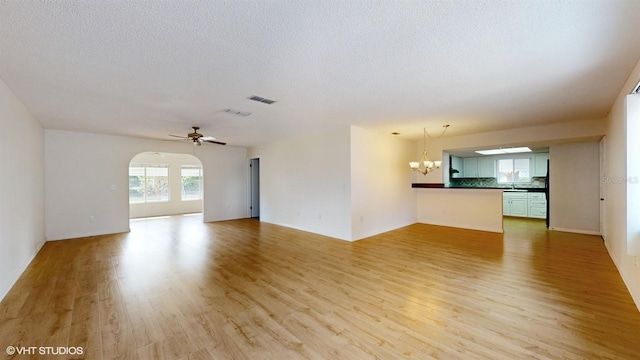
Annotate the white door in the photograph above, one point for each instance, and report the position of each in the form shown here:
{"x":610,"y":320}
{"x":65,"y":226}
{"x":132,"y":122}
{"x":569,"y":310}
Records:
{"x":603,"y":190}
{"x":254,"y":171}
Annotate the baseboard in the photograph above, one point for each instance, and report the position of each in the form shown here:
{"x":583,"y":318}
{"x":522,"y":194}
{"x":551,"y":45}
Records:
{"x":576,"y":231}
{"x":635,"y":293}
{"x":462,"y":226}
{"x":16,"y":275}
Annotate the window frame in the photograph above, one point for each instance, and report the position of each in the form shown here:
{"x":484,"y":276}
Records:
{"x":145,"y":183}
{"x":513,"y":161}
{"x":200,"y":182}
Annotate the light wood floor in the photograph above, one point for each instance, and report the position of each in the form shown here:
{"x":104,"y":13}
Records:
{"x":176,"y":288}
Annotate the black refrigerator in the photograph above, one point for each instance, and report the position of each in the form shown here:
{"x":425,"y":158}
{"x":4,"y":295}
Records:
{"x":546,"y":193}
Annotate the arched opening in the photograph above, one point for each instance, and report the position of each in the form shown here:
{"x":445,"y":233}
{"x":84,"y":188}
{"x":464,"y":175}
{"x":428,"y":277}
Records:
{"x":165,"y":184}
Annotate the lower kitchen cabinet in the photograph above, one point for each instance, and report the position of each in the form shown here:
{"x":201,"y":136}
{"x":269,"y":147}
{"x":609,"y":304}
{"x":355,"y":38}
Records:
{"x":537,"y":205}
{"x":515,"y":204}
{"x":524,"y":204}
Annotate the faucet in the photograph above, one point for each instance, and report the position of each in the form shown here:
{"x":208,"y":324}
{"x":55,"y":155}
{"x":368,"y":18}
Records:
{"x":513,"y":186}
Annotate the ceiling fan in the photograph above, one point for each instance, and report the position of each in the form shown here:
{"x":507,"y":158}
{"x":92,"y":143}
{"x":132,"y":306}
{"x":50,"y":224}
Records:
{"x":198,"y":138}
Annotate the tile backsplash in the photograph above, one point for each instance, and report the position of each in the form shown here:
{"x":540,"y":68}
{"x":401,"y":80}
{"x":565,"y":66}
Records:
{"x":536,"y":182}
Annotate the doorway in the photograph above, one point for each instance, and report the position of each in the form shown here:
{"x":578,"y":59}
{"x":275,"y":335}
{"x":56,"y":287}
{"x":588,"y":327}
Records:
{"x":254,"y":188}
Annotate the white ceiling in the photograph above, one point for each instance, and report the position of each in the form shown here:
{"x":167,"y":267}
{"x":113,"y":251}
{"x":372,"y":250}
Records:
{"x":151,"y":68}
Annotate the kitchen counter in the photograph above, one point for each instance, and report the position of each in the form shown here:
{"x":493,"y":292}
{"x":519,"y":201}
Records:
{"x":506,"y":189}
{"x":467,"y":208}
{"x":537,"y":190}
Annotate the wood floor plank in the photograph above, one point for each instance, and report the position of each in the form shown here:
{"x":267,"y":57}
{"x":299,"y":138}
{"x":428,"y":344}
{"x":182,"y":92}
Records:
{"x":177,"y":288}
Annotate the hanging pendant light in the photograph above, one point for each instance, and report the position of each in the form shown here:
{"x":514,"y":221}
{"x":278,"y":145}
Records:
{"x":425,"y":166}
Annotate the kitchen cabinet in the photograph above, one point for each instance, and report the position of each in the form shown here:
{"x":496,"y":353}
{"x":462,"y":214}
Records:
{"x":474,"y":167}
{"x":515,"y":204}
{"x":524,"y":204}
{"x":470,"y":167}
{"x":486,"y":167}
{"x":540,"y":164}
{"x":456,"y":163}
{"x":537,"y":205}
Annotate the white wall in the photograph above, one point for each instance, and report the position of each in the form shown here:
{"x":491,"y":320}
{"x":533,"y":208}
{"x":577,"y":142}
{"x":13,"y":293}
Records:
{"x":381,"y":194}
{"x":349,"y":183}
{"x":633,"y":174}
{"x":81,"y":169}
{"x":21,"y":188}
{"x":574,"y":187}
{"x":616,"y":237}
{"x":305,"y":183}
{"x":479,"y":209}
{"x":174,"y":205}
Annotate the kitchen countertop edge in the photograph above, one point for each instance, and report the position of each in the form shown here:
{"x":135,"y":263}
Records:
{"x":443,"y":186}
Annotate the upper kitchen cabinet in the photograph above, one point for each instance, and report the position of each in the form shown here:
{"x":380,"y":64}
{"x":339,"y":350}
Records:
{"x":470,"y":167}
{"x":483,"y":167}
{"x":486,"y":167}
{"x":540,"y":164}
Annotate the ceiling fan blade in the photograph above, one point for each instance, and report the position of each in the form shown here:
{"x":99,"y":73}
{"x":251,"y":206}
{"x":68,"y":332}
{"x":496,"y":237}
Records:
{"x":178,"y":136}
{"x":207,"y":138}
{"x":215,"y":142}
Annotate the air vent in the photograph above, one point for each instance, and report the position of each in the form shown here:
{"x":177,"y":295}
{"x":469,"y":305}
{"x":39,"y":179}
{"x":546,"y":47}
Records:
{"x":238,"y":112}
{"x":262,"y":100}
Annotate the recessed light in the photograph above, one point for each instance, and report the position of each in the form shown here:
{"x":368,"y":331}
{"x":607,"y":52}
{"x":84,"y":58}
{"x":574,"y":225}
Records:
{"x":238,"y":112}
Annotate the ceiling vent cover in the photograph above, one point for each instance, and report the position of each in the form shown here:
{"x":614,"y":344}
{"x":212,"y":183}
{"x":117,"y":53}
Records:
{"x":262,"y":100}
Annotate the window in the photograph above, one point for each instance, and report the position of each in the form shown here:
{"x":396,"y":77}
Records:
{"x":513,"y":171}
{"x":191,"y":183}
{"x":148,"y":183}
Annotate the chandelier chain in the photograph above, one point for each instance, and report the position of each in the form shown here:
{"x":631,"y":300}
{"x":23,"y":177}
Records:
{"x":430,"y":137}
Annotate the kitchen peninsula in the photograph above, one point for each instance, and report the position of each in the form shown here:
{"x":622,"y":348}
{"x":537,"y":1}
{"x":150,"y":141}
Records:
{"x":467,"y":208}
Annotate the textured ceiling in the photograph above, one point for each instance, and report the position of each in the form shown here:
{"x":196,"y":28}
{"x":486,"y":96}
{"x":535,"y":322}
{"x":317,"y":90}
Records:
{"x":151,"y":68}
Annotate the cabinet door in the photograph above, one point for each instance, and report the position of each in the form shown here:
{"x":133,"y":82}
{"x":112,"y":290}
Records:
{"x":518,"y":207}
{"x":486,"y":167}
{"x":540,"y":164}
{"x":506,"y":207}
{"x":470,"y":167}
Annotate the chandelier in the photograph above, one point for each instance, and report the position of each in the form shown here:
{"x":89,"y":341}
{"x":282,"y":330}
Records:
{"x":425,"y":166}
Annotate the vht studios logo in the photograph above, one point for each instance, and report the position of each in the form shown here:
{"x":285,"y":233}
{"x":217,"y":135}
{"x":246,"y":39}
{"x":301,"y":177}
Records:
{"x":44,"y":350}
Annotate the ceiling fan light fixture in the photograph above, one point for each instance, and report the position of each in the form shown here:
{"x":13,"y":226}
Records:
{"x":197,"y":138}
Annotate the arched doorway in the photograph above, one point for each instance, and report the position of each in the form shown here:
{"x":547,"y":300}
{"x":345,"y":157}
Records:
{"x":164,"y":184}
